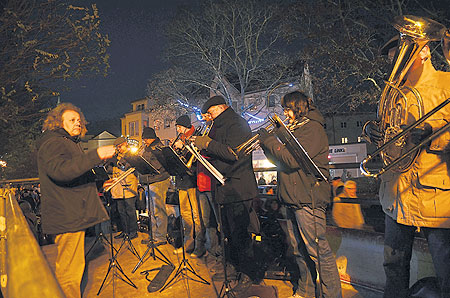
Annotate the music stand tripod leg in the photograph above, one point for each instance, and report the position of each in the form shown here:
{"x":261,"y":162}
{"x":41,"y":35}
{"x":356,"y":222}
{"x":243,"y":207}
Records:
{"x":151,"y":247}
{"x":184,"y":266}
{"x":113,"y":263}
{"x":225,"y":290}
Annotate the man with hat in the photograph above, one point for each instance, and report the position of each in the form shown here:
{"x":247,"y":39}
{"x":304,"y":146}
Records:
{"x":125,"y":192}
{"x":228,"y":131}
{"x":189,"y":206}
{"x":419,"y":197}
{"x":158,"y":185}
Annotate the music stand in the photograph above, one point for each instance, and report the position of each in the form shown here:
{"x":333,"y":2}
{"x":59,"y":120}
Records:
{"x":176,"y":167}
{"x":140,"y":163}
{"x":173,"y":164}
{"x":99,"y":174}
{"x":113,"y":265}
{"x":144,"y":167}
{"x":309,"y":167}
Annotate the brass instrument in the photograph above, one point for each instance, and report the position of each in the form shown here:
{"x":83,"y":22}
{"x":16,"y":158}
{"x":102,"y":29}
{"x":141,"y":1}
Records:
{"x":196,"y":152}
{"x":395,"y":149}
{"x":253,"y":143}
{"x":200,"y":131}
{"x":132,"y":148}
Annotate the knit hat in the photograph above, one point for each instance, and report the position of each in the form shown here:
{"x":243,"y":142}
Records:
{"x":119,"y":141}
{"x":184,"y":121}
{"x":148,"y":133}
{"x":213,"y":101}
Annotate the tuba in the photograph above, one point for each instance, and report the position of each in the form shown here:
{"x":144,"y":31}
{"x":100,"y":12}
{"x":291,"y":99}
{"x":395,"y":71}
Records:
{"x":396,"y":151}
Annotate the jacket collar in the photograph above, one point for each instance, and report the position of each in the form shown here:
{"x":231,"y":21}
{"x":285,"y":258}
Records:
{"x":65,"y":134}
{"x":224,"y":117}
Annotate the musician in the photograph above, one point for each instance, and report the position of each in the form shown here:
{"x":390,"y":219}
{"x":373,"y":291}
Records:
{"x":186,"y":185}
{"x":69,"y":198}
{"x":297,"y":190}
{"x":158,"y":185}
{"x":125,"y":192}
{"x":228,"y":131}
{"x":420,"y":197}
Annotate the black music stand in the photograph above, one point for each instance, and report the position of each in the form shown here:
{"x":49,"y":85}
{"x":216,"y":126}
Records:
{"x":176,"y":167}
{"x":309,"y":167}
{"x":137,"y":162}
{"x":113,"y":265}
{"x":99,"y":174}
{"x":145,"y":168}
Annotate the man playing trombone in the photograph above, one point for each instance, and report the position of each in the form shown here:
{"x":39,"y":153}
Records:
{"x":186,"y":185}
{"x":305,"y":200}
{"x":158,"y":185}
{"x":124,"y":192}
{"x":235,"y":196}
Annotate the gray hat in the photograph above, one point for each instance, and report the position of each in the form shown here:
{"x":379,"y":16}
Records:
{"x":148,"y":133}
{"x":213,"y":101}
{"x":184,"y":121}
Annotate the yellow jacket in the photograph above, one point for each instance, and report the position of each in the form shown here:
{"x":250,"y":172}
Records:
{"x":421,"y":196}
{"x":125,"y":189}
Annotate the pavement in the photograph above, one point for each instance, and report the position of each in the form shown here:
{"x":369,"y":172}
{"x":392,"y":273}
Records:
{"x":186,"y":284}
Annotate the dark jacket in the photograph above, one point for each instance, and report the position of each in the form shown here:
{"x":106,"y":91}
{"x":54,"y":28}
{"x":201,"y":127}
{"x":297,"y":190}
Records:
{"x":153,"y":160}
{"x":69,"y":196}
{"x":294,"y":186}
{"x":229,"y":131}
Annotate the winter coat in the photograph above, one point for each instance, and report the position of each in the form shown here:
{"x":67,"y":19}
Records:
{"x":294,"y":186}
{"x":153,"y":160}
{"x":421,"y":195}
{"x":69,"y":197}
{"x":228,"y":131}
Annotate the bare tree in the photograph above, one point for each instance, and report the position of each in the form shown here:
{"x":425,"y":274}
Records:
{"x":342,"y":41}
{"x":234,"y":43}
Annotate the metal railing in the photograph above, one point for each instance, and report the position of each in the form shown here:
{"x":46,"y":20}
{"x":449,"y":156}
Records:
{"x":24,"y":271}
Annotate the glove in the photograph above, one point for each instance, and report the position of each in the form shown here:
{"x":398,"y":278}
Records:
{"x":418,"y":134}
{"x":202,"y":142}
{"x":263,"y":135}
{"x":372,"y":132}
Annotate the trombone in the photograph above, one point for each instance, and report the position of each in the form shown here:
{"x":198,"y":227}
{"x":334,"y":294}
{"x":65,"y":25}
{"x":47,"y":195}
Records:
{"x":401,"y":135}
{"x":254,"y":142}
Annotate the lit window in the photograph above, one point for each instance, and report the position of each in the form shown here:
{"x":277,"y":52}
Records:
{"x":360,"y":139}
{"x":344,"y":140}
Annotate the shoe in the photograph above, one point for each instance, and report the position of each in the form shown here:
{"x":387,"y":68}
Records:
{"x":155,"y":242}
{"x":133,"y":236}
{"x":121,"y":235}
{"x":244,"y":283}
{"x":220,"y":275}
{"x":198,"y":253}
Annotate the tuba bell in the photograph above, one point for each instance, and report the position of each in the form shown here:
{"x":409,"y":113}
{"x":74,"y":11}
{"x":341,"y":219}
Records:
{"x":396,"y":151}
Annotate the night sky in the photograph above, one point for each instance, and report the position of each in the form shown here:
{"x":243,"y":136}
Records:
{"x":137,"y":42}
